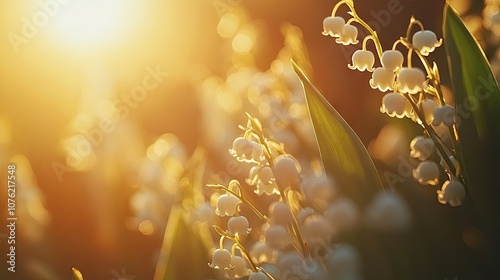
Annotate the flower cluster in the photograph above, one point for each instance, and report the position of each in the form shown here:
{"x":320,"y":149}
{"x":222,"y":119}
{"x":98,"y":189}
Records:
{"x":412,"y":92}
{"x":299,"y":236}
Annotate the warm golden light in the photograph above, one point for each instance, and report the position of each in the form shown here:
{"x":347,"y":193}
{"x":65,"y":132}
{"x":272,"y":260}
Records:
{"x":92,"y":21}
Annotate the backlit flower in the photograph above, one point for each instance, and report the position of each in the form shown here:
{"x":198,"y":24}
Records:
{"x":452,"y":192}
{"x":382,"y":79}
{"x":362,"y":60}
{"x":226,"y":205}
{"x":392,"y":60}
{"x":426,"y":41}
{"x":221,"y":259}
{"x":427,"y":173}
{"x":395,"y":104}
{"x":422,"y":147}
{"x":348,"y":35}
{"x":332,"y":26}
{"x":411,"y":80}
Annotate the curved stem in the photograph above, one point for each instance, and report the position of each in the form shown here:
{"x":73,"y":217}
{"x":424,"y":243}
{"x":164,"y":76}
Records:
{"x":334,"y":11}
{"x":245,"y":253}
{"x":433,"y":135}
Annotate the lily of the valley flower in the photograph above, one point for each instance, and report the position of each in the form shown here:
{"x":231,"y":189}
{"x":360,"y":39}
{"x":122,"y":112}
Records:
{"x":427,"y":173}
{"x":258,"y":276}
{"x":392,"y":60}
{"x":362,"y":60}
{"x":221,"y":259}
{"x":238,"y":225}
{"x":226,"y":205}
{"x":382,"y":79}
{"x":422,"y":147}
{"x":332,"y":26}
{"x":452,"y":192}
{"x":348,"y":35}
{"x":395,"y":104}
{"x":411,"y":80}
{"x":426,"y":41}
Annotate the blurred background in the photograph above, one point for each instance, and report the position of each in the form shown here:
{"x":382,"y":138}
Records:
{"x":92,"y":91}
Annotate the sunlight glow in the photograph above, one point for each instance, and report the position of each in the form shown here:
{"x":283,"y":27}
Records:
{"x":92,"y":21}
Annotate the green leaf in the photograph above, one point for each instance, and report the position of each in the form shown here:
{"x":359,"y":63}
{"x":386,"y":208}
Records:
{"x":477,"y":103}
{"x":183,"y":255}
{"x":77,"y":275}
{"x":344,"y":156}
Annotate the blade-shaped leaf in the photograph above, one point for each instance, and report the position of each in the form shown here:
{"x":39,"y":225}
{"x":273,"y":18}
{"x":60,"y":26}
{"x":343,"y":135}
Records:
{"x":477,"y":103}
{"x":344,"y":156}
{"x":183,"y":254}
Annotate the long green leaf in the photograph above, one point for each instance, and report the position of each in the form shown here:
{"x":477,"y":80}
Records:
{"x":477,"y":103}
{"x":344,"y":156}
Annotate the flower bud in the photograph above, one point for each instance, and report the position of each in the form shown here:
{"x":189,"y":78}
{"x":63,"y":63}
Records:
{"x":395,"y":104}
{"x":286,"y":171}
{"x":226,"y":205}
{"x":238,"y":225}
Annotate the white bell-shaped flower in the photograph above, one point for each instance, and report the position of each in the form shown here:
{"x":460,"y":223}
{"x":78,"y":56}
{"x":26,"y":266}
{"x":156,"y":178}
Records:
{"x":276,"y":236}
{"x":411,"y":80}
{"x":422,"y":147}
{"x":258,"y":276}
{"x":348,"y":35}
{"x":382,"y":79}
{"x":362,"y":60}
{"x":238,"y":225}
{"x":428,"y":106}
{"x":443,"y":115}
{"x":239,"y":265}
{"x":221,"y":259}
{"x":392,"y":60}
{"x":342,"y":214}
{"x":426,"y":41}
{"x":388,"y":212}
{"x":227,"y":205}
{"x":332,"y":26}
{"x":263,"y":178}
{"x":452,"y":192}
{"x":395,"y":104}
{"x":286,"y":171}
{"x":242,"y":148}
{"x":280,"y":213}
{"x":427,"y":173}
